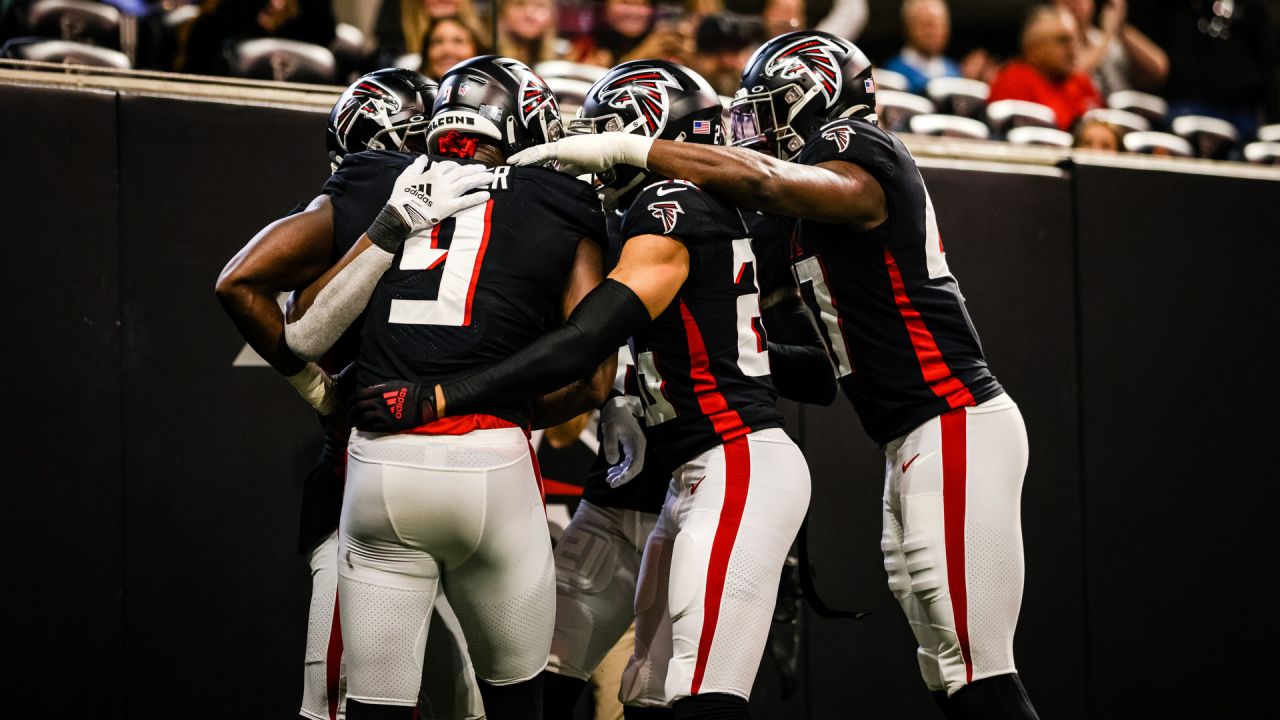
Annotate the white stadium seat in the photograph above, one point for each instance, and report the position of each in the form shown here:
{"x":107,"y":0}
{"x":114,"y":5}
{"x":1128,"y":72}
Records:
{"x":1263,"y":153}
{"x":1157,"y":143}
{"x":1033,"y":135}
{"x":949,"y":126}
{"x":889,"y":80}
{"x":1211,"y":137}
{"x":958,"y":96}
{"x":1123,"y":119}
{"x":895,"y":109}
{"x":1004,"y":115}
{"x":1151,"y":107}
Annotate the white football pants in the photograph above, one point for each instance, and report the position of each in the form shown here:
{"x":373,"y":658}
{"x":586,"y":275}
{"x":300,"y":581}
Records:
{"x":462,"y":510}
{"x":952,"y":539}
{"x":597,"y":563}
{"x":712,"y":565}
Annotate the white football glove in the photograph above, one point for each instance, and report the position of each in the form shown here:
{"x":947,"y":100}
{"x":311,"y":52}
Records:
{"x":426,"y":193}
{"x":618,"y":418}
{"x":578,"y":154}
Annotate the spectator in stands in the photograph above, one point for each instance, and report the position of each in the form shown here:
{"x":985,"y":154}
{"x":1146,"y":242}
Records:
{"x":926,"y":24}
{"x":1097,"y":135}
{"x":403,"y":23}
{"x":448,"y":41}
{"x":1115,"y":54}
{"x":527,"y":30}
{"x":630,"y":30}
{"x":725,"y":42}
{"x":1223,"y":62}
{"x":782,"y":16}
{"x":222,"y":22}
{"x":1046,"y":73}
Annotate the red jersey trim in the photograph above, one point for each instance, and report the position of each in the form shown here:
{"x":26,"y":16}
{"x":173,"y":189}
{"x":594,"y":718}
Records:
{"x":475,"y":273}
{"x":555,"y":487}
{"x":932,"y":366}
{"x":725,"y":420}
{"x":462,"y":424}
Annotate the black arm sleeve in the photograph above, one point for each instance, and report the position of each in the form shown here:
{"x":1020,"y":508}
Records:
{"x":602,"y":322}
{"x":801,"y":369}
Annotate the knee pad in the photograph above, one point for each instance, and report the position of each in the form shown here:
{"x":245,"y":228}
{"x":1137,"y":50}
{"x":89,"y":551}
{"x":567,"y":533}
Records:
{"x":923,"y":566}
{"x":585,"y":560}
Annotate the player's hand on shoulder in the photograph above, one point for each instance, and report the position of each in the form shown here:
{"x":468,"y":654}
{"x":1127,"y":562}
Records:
{"x":427,"y":192}
{"x":393,"y":406}
{"x":579,"y":154}
{"x":619,"y":420}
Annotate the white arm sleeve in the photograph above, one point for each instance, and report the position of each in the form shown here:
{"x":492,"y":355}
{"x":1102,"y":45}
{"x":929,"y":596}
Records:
{"x":847,"y":19}
{"x":337,"y":306}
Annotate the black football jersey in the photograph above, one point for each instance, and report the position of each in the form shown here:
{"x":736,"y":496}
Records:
{"x":890,"y":310}
{"x":479,"y":286}
{"x":702,"y":365}
{"x":771,"y":238}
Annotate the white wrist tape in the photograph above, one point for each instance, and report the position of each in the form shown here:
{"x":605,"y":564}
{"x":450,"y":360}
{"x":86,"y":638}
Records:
{"x":315,"y":386}
{"x":633,"y":150}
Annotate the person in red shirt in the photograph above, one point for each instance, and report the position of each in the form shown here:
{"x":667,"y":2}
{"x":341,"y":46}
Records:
{"x":1047,"y":74}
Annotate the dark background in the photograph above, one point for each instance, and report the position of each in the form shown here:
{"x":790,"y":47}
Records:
{"x":157,"y":485}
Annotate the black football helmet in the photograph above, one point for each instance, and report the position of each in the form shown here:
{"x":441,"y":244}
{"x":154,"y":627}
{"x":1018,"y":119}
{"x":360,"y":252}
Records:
{"x":387,"y":109}
{"x":494,"y":97}
{"x":795,"y":84}
{"x":657,"y":99}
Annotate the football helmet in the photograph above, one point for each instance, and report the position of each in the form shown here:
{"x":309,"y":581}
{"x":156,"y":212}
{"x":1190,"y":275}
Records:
{"x":655,"y":98}
{"x":494,"y":97}
{"x":796,"y":83}
{"x":386,"y":109}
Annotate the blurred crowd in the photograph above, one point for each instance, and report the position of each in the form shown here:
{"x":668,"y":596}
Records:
{"x":1106,"y":83}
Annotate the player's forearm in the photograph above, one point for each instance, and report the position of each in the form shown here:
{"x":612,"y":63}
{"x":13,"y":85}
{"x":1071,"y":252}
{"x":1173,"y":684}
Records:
{"x":800,"y":367}
{"x":571,"y":401}
{"x":602,"y":321}
{"x":258,"y":318}
{"x":746,"y":178}
{"x":336,"y":300}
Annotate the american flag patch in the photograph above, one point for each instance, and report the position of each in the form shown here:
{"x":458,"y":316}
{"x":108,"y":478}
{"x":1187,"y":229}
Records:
{"x":701,"y":127}
{"x":869,"y":84}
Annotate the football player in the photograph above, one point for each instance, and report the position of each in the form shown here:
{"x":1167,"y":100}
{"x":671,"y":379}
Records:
{"x":455,"y":280}
{"x":684,"y":290}
{"x":872,"y":263}
{"x":386,"y":109}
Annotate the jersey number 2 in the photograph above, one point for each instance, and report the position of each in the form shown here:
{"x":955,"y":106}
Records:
{"x":462,"y":261}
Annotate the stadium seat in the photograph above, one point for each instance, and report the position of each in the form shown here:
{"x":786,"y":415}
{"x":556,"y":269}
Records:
{"x":64,"y":51}
{"x":349,"y":48}
{"x":408,"y":61}
{"x":1212,"y":138}
{"x":1004,"y":115}
{"x":1035,"y":135}
{"x":949,"y":126}
{"x":181,"y":15}
{"x":889,"y":80}
{"x":1123,"y":119}
{"x":1263,"y":153}
{"x":1269,"y":133}
{"x":895,"y":109}
{"x":959,"y":96}
{"x":1151,"y":107}
{"x":572,"y":70}
{"x":570,"y":93}
{"x":1157,"y":143}
{"x":283,"y":60}
{"x":90,"y":23}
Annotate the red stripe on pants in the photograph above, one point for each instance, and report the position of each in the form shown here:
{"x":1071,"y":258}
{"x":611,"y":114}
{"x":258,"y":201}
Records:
{"x":954,"y":471}
{"x":333,"y":661}
{"x":737,"y":476}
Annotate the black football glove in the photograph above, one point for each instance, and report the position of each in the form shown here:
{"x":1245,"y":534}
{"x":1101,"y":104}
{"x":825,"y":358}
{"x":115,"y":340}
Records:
{"x":393,"y":407}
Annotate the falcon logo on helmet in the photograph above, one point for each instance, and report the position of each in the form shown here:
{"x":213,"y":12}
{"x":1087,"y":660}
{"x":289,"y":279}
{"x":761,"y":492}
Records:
{"x":368,"y":97}
{"x":534,"y":96}
{"x":812,"y":55}
{"x":666,"y":211}
{"x":839,"y":135}
{"x":645,"y":90}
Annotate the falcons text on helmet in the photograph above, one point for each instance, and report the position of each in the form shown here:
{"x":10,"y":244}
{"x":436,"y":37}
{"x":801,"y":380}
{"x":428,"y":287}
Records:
{"x":814,"y":56}
{"x":666,"y":211}
{"x":645,"y":89}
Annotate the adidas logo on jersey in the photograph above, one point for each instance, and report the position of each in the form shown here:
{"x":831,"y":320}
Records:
{"x":395,"y":401}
